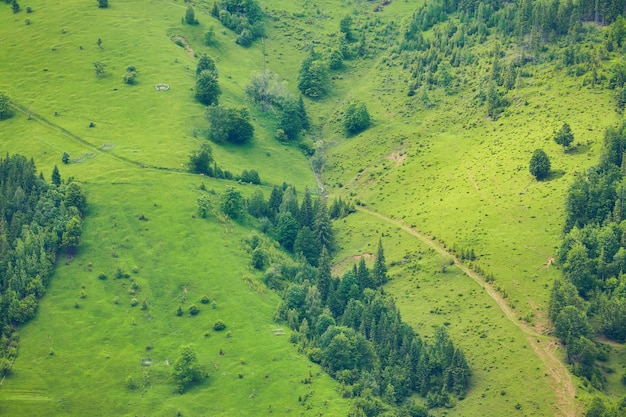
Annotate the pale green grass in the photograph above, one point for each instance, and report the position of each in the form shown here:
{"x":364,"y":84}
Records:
{"x":178,"y":257}
{"x":97,"y":346}
{"x":45,"y":70}
{"x":505,"y":369}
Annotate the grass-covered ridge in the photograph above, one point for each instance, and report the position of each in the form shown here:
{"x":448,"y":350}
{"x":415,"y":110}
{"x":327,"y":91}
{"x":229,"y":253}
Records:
{"x":444,"y":161}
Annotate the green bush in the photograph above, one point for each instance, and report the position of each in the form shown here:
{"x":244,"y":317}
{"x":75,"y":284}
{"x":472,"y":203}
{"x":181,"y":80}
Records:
{"x":356,"y":118}
{"x":193,"y":310}
{"x":130,"y":382}
{"x":539,"y":165}
{"x":219,"y":325}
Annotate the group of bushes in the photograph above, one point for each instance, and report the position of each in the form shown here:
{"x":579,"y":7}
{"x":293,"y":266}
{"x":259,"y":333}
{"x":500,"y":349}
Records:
{"x":201,"y":162}
{"x":242,"y":17}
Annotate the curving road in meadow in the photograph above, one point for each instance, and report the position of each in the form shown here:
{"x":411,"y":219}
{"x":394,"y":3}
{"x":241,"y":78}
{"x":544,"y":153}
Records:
{"x":561,"y":379}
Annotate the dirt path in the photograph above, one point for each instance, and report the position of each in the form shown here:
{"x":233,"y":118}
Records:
{"x":543,"y":346}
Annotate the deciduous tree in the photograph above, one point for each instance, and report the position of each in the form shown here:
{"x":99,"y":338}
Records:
{"x":229,"y":124}
{"x":539,"y":165}
{"x":356,"y":118}
{"x":186,"y":369}
{"x":564,"y":136}
{"x":207,"y":88}
{"x":231,"y":202}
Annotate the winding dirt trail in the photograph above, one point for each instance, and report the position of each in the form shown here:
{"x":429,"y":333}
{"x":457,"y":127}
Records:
{"x":544,"y":347}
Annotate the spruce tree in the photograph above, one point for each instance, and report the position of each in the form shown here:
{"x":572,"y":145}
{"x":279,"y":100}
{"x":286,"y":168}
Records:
{"x":324,"y":278}
{"x":56,"y":176}
{"x":379,"y":272}
{"x":363,"y":275}
{"x":307,"y":217}
{"x":273,"y":203}
{"x":324,"y":228}
{"x":206,"y":63}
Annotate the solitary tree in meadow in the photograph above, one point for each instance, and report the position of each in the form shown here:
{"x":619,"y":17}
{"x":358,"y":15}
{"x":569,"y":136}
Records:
{"x":357,"y":118}
{"x":99,"y":68}
{"x":5,"y":109}
{"x":186,"y":369}
{"x":103,"y":4}
{"x":539,"y":165}
{"x":131,"y":74}
{"x":190,"y":16}
{"x":379,"y":272}
{"x":564,"y":136}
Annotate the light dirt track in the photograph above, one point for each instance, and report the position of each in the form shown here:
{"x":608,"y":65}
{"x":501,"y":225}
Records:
{"x":543,"y":346}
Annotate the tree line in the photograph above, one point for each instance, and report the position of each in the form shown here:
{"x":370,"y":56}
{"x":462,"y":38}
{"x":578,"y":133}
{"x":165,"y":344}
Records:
{"x":37,"y":221}
{"x":458,"y":25}
{"x":591,"y":296}
{"x":347,"y":324}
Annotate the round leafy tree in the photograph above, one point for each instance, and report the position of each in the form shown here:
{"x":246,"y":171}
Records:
{"x":539,"y":164}
{"x":207,"y":89}
{"x":357,"y":117}
{"x":564,"y":136}
{"x":186,"y":370}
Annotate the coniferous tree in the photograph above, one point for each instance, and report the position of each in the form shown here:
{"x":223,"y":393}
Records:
{"x":273,"y":203}
{"x":190,"y":16}
{"x":56,"y":176}
{"x":564,"y":136}
{"x":379,"y":272}
{"x":206,"y":63}
{"x":306,"y":244}
{"x":363,"y":275}
{"x":324,"y":229}
{"x":289,"y":202}
{"x":306,"y":214}
{"x":304,"y":118}
{"x":324,"y":278}
{"x":539,"y":165}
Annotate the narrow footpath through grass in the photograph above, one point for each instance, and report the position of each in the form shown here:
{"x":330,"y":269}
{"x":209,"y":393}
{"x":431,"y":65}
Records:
{"x":545,"y":347}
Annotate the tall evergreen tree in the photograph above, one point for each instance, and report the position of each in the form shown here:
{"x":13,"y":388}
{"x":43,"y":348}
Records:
{"x":307,"y":245}
{"x":379,"y":272}
{"x":289,"y":202}
{"x":324,"y":228}
{"x":273,"y":203}
{"x":56,"y":176}
{"x":363,"y":275}
{"x":206,"y":63}
{"x":324,"y":278}
{"x":307,"y":217}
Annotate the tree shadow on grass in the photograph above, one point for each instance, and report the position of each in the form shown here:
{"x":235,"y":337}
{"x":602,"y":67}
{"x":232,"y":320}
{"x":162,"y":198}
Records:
{"x":579,"y":149}
{"x":553,"y":175}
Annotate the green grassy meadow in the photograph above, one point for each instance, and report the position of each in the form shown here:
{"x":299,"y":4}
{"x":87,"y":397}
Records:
{"x":75,"y":361}
{"x":447,"y":171}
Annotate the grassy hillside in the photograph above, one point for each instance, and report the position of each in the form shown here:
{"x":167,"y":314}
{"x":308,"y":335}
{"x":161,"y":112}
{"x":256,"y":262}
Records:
{"x":77,"y":347}
{"x":433,"y":176}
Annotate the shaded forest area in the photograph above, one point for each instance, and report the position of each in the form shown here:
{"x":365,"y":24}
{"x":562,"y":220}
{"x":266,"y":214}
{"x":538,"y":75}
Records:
{"x":347,"y":324}
{"x":37,"y":221}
